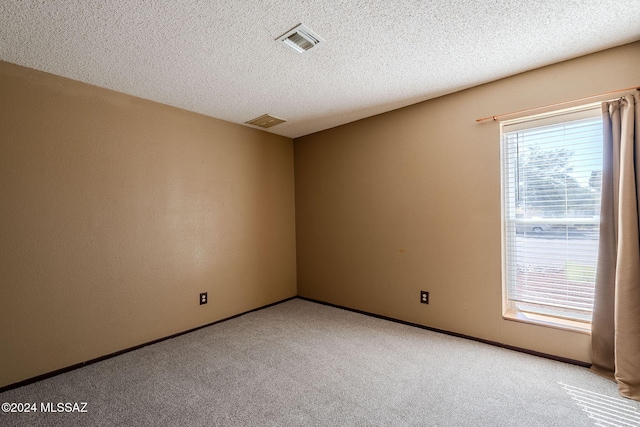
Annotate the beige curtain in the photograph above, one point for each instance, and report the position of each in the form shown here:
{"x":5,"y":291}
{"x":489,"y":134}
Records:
{"x":616,"y":313}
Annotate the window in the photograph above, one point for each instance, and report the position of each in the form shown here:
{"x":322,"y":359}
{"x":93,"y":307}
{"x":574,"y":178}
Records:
{"x":551,"y":181}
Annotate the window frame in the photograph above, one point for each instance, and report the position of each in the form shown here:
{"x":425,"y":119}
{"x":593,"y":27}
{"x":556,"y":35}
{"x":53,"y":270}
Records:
{"x":509,"y":309}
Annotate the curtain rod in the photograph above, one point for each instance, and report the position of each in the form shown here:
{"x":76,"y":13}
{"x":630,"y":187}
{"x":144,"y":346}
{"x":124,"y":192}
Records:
{"x":484,"y":119}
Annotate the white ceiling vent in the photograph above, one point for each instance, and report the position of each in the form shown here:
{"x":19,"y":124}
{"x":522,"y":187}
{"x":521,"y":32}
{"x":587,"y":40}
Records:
{"x":300,"y":38}
{"x":265,"y":121}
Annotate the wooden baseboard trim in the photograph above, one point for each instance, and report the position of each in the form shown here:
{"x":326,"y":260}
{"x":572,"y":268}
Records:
{"x":127,"y":350}
{"x":455,"y":334}
{"x":378,"y":316}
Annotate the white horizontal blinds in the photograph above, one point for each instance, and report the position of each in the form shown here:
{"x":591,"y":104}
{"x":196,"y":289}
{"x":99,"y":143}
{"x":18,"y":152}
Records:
{"x":552,"y":181}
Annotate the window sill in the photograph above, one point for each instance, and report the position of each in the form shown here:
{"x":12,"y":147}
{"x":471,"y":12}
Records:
{"x":548,"y":321}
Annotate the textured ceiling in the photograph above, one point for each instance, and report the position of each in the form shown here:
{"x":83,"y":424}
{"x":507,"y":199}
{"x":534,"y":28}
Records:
{"x":220,"y":58}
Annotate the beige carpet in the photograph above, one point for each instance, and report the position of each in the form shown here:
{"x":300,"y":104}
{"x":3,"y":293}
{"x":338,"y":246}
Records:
{"x":299,"y":363}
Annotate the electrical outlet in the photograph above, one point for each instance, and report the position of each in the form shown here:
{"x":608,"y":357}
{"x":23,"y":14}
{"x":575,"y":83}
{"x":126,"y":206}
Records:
{"x":203,"y":298}
{"x":424,"y":297}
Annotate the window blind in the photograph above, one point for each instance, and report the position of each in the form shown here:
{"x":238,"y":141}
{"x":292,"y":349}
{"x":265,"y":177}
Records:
{"x":552,"y":179}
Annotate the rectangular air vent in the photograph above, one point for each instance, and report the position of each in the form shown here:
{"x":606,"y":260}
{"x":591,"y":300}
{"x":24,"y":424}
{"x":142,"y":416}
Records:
{"x":265,"y":121}
{"x":300,"y":38}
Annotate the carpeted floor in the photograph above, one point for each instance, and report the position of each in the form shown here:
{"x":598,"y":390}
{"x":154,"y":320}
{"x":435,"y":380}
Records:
{"x":304,"y":364}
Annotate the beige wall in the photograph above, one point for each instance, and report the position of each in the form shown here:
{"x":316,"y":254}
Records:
{"x":410,"y":200}
{"x":116,"y":212}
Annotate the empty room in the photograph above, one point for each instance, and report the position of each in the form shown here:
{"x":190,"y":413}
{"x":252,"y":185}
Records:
{"x":219,"y":213}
